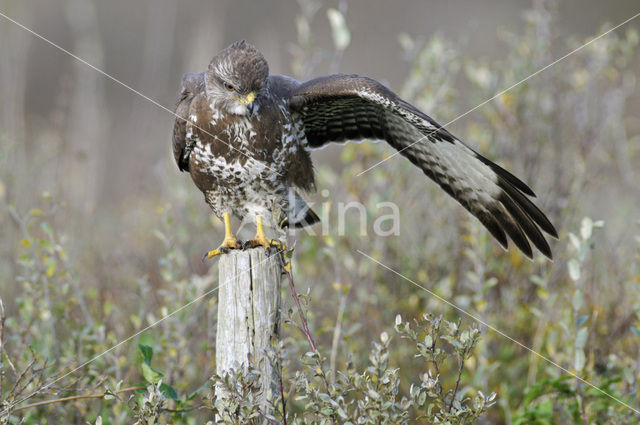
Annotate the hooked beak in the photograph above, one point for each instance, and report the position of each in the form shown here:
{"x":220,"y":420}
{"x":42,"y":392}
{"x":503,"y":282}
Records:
{"x":249,"y":98}
{"x":248,"y":101}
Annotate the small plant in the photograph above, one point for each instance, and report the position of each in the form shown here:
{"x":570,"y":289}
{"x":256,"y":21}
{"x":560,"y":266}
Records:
{"x":431,"y":338}
{"x":371,"y":395}
{"x":567,"y":398}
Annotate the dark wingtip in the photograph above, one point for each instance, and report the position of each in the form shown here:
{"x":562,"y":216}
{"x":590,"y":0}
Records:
{"x":502,"y":213}
{"x":528,"y":207}
{"x":552,"y":231}
{"x":507,"y":176}
{"x":524,"y":220}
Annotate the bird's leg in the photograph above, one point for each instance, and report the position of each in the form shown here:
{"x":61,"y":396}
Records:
{"x":261,"y":238}
{"x":229,"y":242}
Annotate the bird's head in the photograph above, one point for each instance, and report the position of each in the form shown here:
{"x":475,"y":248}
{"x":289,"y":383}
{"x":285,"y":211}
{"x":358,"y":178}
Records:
{"x":236,"y":77}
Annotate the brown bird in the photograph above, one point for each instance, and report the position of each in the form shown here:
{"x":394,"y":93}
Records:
{"x":245,"y":135}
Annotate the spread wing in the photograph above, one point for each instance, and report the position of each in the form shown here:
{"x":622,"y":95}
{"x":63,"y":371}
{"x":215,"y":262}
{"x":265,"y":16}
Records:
{"x":192,"y":85}
{"x":338,"y":108}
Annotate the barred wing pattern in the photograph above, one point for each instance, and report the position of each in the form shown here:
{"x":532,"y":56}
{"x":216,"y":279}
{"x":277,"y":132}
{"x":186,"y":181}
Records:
{"x":341,"y":107}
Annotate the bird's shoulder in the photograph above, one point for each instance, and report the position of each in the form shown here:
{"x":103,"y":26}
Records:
{"x":338,"y":86}
{"x":280,"y":87}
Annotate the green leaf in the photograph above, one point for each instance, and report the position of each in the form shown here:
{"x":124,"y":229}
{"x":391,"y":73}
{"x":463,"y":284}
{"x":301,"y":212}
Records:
{"x":574,"y":269}
{"x":50,"y":264}
{"x":428,"y":341}
{"x":151,"y":375}
{"x":168,"y":391}
{"x":147,"y":353}
{"x":538,"y":281}
{"x":577,"y":300}
{"x":581,"y":338}
{"x":582,"y":320}
{"x":579,"y":360}
{"x":46,"y":227}
{"x":575,"y":241}
{"x":547,"y":386}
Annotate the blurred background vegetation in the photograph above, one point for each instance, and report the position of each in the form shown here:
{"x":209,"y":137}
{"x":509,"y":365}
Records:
{"x":101,"y":235}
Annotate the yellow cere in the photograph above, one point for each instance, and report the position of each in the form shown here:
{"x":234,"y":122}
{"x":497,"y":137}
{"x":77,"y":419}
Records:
{"x":248,"y":98}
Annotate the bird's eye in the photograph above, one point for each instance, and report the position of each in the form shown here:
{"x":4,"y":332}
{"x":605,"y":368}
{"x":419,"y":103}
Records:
{"x":229,"y":87}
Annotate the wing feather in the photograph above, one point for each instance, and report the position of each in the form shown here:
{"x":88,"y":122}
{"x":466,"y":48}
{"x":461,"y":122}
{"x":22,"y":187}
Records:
{"x":340,"y":107}
{"x":192,"y":85}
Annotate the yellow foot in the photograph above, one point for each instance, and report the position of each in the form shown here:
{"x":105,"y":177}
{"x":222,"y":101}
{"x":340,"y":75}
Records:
{"x":227,"y":245}
{"x":230,"y":241}
{"x":262,"y":240}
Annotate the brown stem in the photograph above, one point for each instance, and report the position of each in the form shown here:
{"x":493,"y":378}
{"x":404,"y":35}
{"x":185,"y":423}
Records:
{"x":435,"y":366}
{"x":21,"y":376}
{"x":455,"y":390}
{"x":186,"y":409}
{"x":77,"y":397}
{"x":284,"y":404}
{"x":2,"y":319}
{"x":337,"y":331}
{"x":305,"y":328}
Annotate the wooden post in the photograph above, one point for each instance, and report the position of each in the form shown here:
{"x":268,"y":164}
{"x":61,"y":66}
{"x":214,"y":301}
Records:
{"x":248,"y":314}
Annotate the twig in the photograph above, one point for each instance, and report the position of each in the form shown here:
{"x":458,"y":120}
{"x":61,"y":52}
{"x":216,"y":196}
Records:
{"x":284,"y":404}
{"x":17,"y":382}
{"x":2,"y":319}
{"x":337,"y":332}
{"x":77,"y":397}
{"x":186,"y":409}
{"x":455,"y":390}
{"x":305,"y":328}
{"x":435,"y":366}
{"x":43,"y":275}
{"x":580,"y":397}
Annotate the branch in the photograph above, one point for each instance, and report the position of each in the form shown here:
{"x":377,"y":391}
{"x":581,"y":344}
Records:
{"x":337,"y":331}
{"x":455,"y":390}
{"x":305,"y":328}
{"x":284,"y":403}
{"x":2,"y":319}
{"x":77,"y":397}
{"x":304,"y":320}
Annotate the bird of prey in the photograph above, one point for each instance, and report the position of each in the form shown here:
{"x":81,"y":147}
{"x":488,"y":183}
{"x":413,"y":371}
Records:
{"x":245,"y":135}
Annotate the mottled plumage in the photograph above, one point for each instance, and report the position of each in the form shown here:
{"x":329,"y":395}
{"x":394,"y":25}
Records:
{"x":245,"y":153}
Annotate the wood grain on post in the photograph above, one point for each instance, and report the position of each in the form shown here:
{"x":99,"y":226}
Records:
{"x":248,"y":314}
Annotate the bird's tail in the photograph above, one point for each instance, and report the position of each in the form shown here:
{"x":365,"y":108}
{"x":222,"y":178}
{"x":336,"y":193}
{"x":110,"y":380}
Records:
{"x":300,"y":215}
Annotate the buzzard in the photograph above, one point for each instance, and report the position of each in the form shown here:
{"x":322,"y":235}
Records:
{"x":245,"y":135}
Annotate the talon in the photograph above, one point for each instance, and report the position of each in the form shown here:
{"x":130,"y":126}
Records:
{"x":261,"y":239}
{"x":230,"y":241}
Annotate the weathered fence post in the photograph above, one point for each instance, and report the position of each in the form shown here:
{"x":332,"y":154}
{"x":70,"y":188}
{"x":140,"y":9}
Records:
{"x":248,"y":314}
